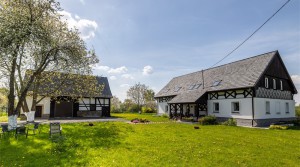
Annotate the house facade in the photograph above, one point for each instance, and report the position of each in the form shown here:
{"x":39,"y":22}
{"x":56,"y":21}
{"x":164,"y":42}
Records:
{"x":256,"y":91}
{"x":68,"y":101}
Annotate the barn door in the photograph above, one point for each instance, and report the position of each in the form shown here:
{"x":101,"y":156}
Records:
{"x":38,"y":111}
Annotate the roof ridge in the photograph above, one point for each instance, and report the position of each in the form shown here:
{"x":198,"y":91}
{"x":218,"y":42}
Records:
{"x":228,"y":63}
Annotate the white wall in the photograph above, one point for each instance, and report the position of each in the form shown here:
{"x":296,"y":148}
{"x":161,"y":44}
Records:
{"x":225,"y":108}
{"x":45,"y":103}
{"x":277,"y":108}
{"x":162,"y":108}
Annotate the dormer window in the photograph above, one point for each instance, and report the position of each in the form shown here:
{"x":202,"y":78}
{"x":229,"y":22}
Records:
{"x":266,"y":82}
{"x":197,"y":86}
{"x":177,"y":89}
{"x":274,"y":83}
{"x":216,"y":83}
{"x":281,"y":85}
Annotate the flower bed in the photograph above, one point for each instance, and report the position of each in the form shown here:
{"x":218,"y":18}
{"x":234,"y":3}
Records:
{"x":139,"y":120}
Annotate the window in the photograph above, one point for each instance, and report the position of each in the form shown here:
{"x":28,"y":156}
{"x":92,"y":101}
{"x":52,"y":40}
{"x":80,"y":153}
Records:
{"x":216,"y":83}
{"x":281,"y":85}
{"x":267,"y":107}
{"x":167,"y":109}
{"x":92,"y":107}
{"x":235,"y":107}
{"x":191,"y":87}
{"x":177,"y":89}
{"x":216,"y":107}
{"x":287,"y":108}
{"x":266,"y":82}
{"x":166,"y":90}
{"x":197,"y":86}
{"x":274,"y":83}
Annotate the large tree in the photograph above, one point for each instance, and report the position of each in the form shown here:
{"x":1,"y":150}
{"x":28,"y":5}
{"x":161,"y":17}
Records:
{"x":140,"y":94}
{"x":33,"y":36}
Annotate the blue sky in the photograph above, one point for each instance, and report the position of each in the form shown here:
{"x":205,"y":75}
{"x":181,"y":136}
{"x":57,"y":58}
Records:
{"x":152,"y":41}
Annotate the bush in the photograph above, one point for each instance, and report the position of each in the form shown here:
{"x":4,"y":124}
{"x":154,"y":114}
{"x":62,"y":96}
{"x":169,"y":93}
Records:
{"x":230,"y":122}
{"x":139,"y":120}
{"x":165,"y":116}
{"x":281,"y":127}
{"x":297,"y":108}
{"x":148,"y":110}
{"x":208,"y":120}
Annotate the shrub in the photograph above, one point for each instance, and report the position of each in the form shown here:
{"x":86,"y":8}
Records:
{"x":297,"y":108}
{"x":139,"y":120}
{"x":165,"y":116}
{"x":208,"y":120}
{"x":148,"y":110}
{"x":281,"y":127}
{"x":230,"y":122}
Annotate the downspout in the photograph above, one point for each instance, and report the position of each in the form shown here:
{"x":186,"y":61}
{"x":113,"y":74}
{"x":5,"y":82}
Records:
{"x":253,"y":92}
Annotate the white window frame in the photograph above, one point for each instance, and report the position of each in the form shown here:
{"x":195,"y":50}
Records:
{"x":267,"y":82}
{"x":287,"y":108}
{"x":274,"y":83}
{"x":233,"y":109}
{"x":214,"y":107}
{"x":268,"y":107}
{"x":281,"y":85}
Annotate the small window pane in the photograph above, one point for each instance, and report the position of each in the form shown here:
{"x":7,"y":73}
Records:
{"x":281,"y":85}
{"x":92,"y":107}
{"x":197,"y":86}
{"x":274,"y":83}
{"x":266,"y":82}
{"x":216,"y":83}
{"x":235,"y":107}
{"x":191,"y":87}
{"x":216,"y":107}
{"x":267,"y":107}
{"x":287,"y":108}
{"x":177,"y":89}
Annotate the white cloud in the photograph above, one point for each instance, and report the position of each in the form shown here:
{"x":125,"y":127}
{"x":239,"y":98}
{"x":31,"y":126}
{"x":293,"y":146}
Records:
{"x":127,"y":76}
{"x":82,"y":1}
{"x":147,"y":70}
{"x":86,"y":27}
{"x":119,"y":70}
{"x":112,"y":78}
{"x":124,"y":85}
{"x":296,"y":79}
{"x":102,"y":68}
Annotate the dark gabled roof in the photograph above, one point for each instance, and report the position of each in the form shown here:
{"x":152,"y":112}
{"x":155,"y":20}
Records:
{"x":240,"y":74}
{"x":67,"y":84}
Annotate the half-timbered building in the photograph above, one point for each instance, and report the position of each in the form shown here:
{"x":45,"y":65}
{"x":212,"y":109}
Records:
{"x":256,"y":91}
{"x":60,"y":97}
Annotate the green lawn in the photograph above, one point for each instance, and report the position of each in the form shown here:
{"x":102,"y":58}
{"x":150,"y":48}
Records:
{"x":129,"y":116}
{"x":167,"y":144}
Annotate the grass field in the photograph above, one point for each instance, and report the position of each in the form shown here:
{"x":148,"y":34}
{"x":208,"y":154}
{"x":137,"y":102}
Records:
{"x":130,"y":116}
{"x":164,"y":144}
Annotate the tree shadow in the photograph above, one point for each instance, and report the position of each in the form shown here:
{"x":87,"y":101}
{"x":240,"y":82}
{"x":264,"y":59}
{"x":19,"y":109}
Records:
{"x":72,"y":148}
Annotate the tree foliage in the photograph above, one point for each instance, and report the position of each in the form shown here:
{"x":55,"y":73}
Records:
{"x":33,"y":36}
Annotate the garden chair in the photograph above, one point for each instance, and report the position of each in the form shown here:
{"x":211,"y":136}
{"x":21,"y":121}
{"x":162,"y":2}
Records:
{"x":4,"y":130}
{"x":21,"y":131}
{"x":35,"y":126}
{"x":55,"y":128}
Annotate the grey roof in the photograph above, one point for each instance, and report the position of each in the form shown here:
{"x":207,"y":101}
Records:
{"x":66,"y":84}
{"x":240,"y":74}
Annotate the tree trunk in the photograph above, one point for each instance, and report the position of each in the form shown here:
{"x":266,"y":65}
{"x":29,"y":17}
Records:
{"x":12,"y":113}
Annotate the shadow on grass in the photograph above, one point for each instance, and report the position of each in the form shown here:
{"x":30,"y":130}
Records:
{"x":70,"y":149}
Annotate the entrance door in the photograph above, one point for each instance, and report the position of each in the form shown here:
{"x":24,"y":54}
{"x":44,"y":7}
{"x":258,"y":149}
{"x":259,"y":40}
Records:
{"x":105,"y":111}
{"x":63,"y":109}
{"x":38,"y":111}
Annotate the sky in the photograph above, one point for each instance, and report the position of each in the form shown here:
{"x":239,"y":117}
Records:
{"x":152,"y":41}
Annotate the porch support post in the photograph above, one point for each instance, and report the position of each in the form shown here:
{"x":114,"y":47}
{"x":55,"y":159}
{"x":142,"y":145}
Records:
{"x":181,"y":110}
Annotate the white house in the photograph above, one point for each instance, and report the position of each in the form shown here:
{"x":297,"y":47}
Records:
{"x":256,"y":91}
{"x":68,"y":101}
